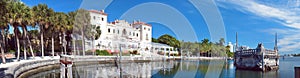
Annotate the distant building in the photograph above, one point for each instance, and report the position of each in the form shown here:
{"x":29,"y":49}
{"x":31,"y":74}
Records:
{"x":130,"y":36}
{"x":231,"y":46}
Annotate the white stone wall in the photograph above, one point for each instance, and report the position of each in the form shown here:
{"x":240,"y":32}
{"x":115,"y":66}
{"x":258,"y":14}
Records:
{"x":99,"y":19}
{"x":131,"y":36}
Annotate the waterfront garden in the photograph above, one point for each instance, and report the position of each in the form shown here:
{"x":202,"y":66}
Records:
{"x":40,"y":31}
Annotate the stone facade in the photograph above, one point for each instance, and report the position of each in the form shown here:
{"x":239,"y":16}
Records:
{"x":120,"y":33}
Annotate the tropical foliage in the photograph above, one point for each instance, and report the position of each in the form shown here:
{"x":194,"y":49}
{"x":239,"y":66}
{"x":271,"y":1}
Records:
{"x":154,"y":40}
{"x":102,"y":52}
{"x":40,"y":31}
{"x":205,"y":48}
{"x":82,"y":23}
{"x":169,"y":40}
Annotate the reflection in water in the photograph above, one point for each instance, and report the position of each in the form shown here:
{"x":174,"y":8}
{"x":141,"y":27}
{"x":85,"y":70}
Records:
{"x":257,"y":74}
{"x":66,"y":71}
{"x":170,"y":69}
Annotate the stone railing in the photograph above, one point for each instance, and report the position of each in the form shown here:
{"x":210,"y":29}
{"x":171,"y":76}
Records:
{"x":31,"y":65}
{"x":14,"y":69}
{"x":255,"y":51}
{"x":247,"y":52}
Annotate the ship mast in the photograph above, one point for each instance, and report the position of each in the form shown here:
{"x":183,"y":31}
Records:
{"x":275,"y":46}
{"x":236,"y":41}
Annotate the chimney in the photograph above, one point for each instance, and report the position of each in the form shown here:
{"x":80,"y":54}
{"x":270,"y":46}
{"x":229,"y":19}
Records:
{"x":102,"y":10}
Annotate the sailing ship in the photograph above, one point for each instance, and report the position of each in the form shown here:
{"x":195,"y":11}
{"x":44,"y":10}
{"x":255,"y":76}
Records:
{"x":260,"y":59}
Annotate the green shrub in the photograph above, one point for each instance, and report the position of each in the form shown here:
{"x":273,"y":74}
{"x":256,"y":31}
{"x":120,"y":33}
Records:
{"x":130,"y":52}
{"x":230,"y":54}
{"x":125,"y":54}
{"x":135,"y":52}
{"x":102,"y":52}
{"x":11,"y":51}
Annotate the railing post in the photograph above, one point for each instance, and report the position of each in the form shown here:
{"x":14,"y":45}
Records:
{"x":297,"y":71}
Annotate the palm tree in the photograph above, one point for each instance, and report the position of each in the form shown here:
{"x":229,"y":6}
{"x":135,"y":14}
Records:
{"x":3,"y":26}
{"x":59,"y":26}
{"x":71,"y":20}
{"x":94,"y":35}
{"x":17,"y":15}
{"x":205,"y":45}
{"x":68,"y":28}
{"x":53,"y":30}
{"x":82,"y":21}
{"x":222,"y":41}
{"x":42,"y":14}
{"x":33,"y":36}
{"x":26,"y":21}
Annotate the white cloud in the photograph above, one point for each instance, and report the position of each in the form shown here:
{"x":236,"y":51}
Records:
{"x":287,"y":16}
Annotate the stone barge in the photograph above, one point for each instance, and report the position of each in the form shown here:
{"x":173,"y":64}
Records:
{"x":260,"y":59}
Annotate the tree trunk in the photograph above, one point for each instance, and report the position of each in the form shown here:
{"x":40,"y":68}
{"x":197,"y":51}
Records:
{"x":64,"y":43}
{"x":18,"y":47}
{"x":24,"y":42}
{"x":30,"y":46}
{"x":60,"y":44}
{"x":25,"y":55}
{"x":2,"y":47}
{"x":74,"y":51}
{"x":42,"y":41}
{"x":2,"y":54}
{"x":93,"y":44}
{"x":83,"y":43}
{"x":17,"y":40}
{"x":52,"y":40}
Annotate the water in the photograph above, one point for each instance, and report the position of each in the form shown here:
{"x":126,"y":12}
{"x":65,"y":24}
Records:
{"x":175,"y":69}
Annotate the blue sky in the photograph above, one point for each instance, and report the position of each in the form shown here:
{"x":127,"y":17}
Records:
{"x":255,"y":21}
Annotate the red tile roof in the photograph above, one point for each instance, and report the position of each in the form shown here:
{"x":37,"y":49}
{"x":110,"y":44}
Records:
{"x":143,"y":23}
{"x":115,"y":22}
{"x":99,"y":12}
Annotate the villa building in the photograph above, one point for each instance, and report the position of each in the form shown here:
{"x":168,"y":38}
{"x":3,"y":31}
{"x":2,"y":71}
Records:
{"x":129,"y":36}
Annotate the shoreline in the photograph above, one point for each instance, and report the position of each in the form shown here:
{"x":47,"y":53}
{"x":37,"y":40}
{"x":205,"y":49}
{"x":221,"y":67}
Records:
{"x":16,"y":69}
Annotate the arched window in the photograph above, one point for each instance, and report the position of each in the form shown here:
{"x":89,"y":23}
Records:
{"x":94,"y":17}
{"x":108,"y":30}
{"x":102,"y":19}
{"x":133,"y":34}
{"x":147,"y":37}
{"x":137,"y":34}
{"x":114,"y":31}
{"x":124,"y":32}
{"x":118,"y":31}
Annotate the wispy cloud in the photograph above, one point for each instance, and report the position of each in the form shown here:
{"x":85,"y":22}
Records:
{"x":288,"y":16}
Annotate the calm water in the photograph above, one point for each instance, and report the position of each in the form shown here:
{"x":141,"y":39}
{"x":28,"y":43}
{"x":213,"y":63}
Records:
{"x":174,"y":69}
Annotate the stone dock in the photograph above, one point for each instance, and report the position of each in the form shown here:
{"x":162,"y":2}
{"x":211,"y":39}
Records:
{"x":15,"y":69}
